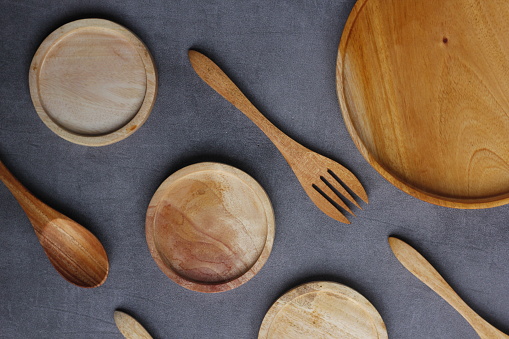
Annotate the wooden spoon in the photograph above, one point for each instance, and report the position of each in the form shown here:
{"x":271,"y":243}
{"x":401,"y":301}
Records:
{"x":130,"y":327}
{"x":323,"y":179}
{"x":74,"y":252}
{"x":422,"y":269}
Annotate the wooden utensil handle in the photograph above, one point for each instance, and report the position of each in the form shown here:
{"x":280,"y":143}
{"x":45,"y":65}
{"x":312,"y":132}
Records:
{"x":222,"y":84}
{"x":33,"y":207}
{"x":424,"y":271}
{"x":17,"y":189}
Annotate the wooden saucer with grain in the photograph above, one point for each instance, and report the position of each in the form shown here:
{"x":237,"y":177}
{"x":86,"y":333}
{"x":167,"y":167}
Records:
{"x":93,"y":82}
{"x":210,"y":227}
{"x":424,"y":92}
{"x":324,"y":310}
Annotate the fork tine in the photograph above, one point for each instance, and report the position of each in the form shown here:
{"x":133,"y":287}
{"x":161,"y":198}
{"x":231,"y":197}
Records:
{"x":331,"y":177}
{"x":328,"y":191}
{"x":317,"y":196}
{"x":351,"y":181}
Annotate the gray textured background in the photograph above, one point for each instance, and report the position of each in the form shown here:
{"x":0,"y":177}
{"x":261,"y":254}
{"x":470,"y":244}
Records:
{"x":282,"y":53}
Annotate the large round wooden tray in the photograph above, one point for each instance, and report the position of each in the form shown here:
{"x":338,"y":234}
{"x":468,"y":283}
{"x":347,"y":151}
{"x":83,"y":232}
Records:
{"x":424,"y":90}
{"x":210,"y":227}
{"x":93,"y":82}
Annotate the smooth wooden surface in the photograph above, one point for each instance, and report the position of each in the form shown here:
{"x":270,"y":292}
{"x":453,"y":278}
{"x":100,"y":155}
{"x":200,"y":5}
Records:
{"x":422,"y":269}
{"x":210,"y":227}
{"x":423,"y":87}
{"x":130,"y":327}
{"x":93,"y":82}
{"x":74,"y":252}
{"x":316,"y":173}
{"x":322,"y":310}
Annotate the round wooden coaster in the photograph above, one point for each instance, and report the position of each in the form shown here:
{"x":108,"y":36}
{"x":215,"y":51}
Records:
{"x":93,"y":82}
{"x":210,"y":227}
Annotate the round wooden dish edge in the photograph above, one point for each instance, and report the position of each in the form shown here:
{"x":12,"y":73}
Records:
{"x":257,"y":265}
{"x":317,"y":286}
{"x":131,"y":126}
{"x":444,"y":201}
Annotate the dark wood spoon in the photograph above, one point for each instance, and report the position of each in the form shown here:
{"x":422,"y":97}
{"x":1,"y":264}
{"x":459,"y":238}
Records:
{"x":74,"y":252}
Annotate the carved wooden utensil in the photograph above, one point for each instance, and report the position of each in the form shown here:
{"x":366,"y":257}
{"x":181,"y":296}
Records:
{"x":74,"y":252}
{"x":422,"y":269}
{"x":317,"y":174}
{"x":130,"y":327}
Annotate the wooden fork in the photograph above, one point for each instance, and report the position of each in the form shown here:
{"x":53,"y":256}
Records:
{"x":323,"y":179}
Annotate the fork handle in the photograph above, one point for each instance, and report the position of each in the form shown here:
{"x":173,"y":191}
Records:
{"x":222,"y":84}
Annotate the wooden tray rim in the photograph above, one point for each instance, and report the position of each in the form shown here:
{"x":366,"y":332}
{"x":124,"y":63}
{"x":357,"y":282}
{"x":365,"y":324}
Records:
{"x":445,"y":201}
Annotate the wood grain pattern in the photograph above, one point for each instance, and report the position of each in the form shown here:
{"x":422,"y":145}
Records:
{"x":423,"y":89}
{"x":74,"y":252}
{"x":322,"y":310}
{"x":210,"y":227}
{"x":93,"y":82}
{"x":130,"y":327}
{"x":422,"y":269}
{"x":317,"y":174}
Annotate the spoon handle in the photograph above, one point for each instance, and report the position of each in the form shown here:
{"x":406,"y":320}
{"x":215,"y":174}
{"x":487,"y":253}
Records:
{"x":424,"y":271}
{"x":209,"y":72}
{"x":35,"y":209}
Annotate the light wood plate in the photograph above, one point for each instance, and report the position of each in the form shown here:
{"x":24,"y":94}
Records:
{"x":210,"y":227}
{"x":93,"y":82}
{"x":322,"y":310}
{"x":423,"y":86}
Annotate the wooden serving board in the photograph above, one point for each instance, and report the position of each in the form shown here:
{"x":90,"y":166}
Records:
{"x":424,"y":91}
{"x":210,"y":227}
{"x":322,"y":310}
{"x":93,"y":82}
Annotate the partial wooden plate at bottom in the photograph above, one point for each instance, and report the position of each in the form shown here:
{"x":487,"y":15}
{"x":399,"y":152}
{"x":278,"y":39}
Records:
{"x":322,"y":310}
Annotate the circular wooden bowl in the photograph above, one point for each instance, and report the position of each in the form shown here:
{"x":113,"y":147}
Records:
{"x":210,"y":227}
{"x":93,"y":82}
{"x":322,"y":310}
{"x":423,"y":87}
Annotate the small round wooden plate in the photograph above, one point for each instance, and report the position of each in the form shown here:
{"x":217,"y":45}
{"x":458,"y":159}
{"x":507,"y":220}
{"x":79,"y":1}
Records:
{"x":322,"y":310}
{"x":210,"y":227}
{"x":93,"y":82}
{"x":424,"y":91}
